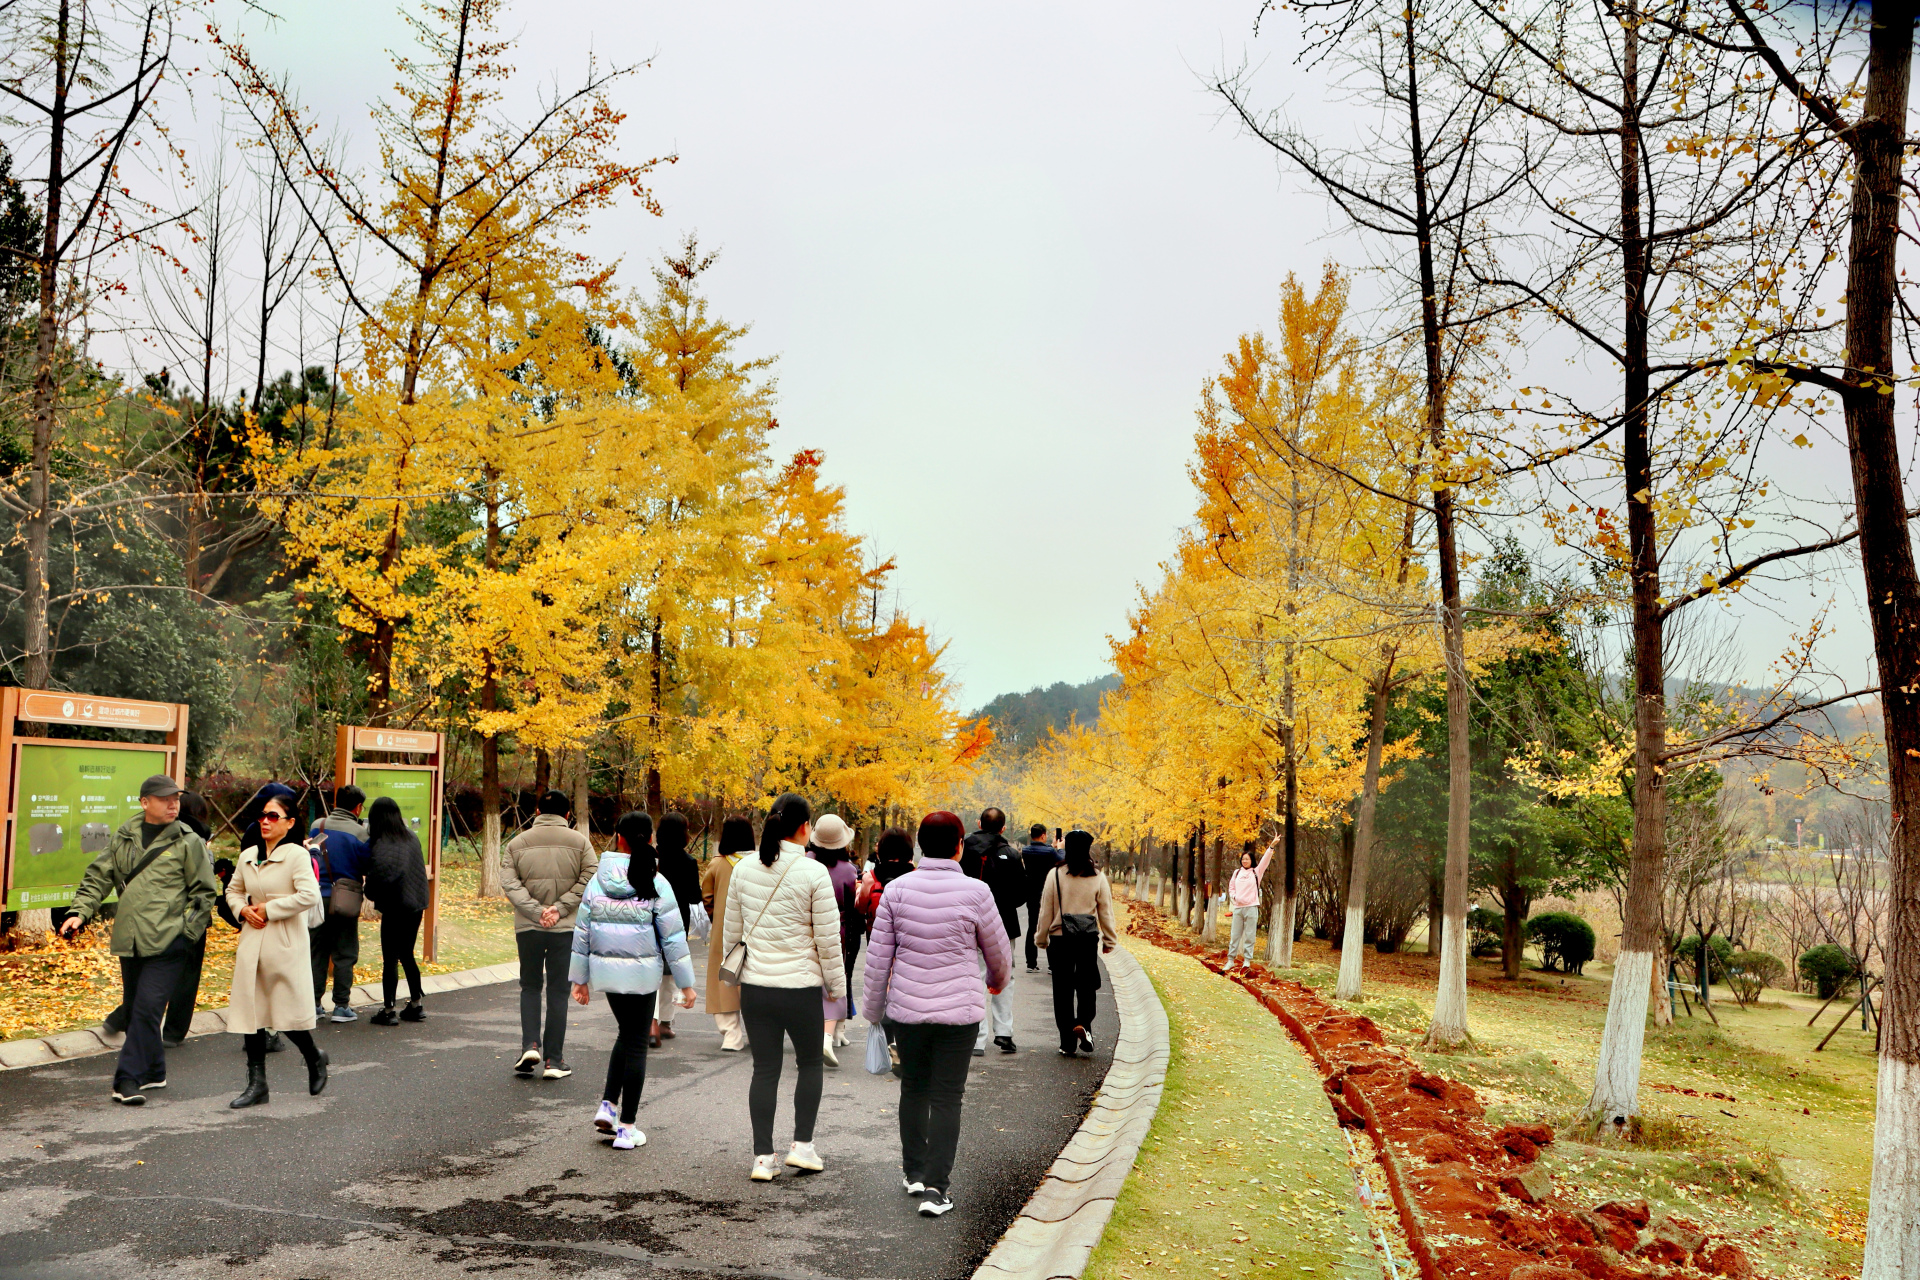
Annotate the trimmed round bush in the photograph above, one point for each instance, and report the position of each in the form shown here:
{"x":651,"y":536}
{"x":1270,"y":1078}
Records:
{"x":1565,"y":940}
{"x":1751,"y":972}
{"x":1484,"y":927}
{"x":1719,"y":952}
{"x":1829,"y":967}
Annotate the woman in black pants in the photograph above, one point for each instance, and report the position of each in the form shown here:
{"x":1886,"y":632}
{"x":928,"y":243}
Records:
{"x":397,"y":887}
{"x":781,"y":905}
{"x":1076,"y":927}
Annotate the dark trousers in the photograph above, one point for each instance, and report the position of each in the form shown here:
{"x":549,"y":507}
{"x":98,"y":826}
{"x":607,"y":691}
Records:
{"x":1075,"y":965}
{"x":148,"y":983}
{"x":186,"y":993}
{"x":398,"y":929}
{"x":336,"y":941}
{"x":627,"y":1067}
{"x":772,"y":1014}
{"x":933,"y":1078}
{"x":544,"y":958}
{"x":255,"y":1043}
{"x":1033,"y":918}
{"x":850,"y":940}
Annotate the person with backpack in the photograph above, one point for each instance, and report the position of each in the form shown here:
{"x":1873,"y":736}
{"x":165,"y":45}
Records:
{"x":338,"y":844}
{"x":723,"y":998}
{"x":397,"y":886}
{"x":989,"y":858}
{"x":781,"y":943}
{"x":166,"y":889}
{"x":1076,"y":927}
{"x":892,"y":858}
{"x":828,"y":847}
{"x":935,"y":929}
{"x":683,"y":873}
{"x":544,"y":871}
{"x":627,"y":936}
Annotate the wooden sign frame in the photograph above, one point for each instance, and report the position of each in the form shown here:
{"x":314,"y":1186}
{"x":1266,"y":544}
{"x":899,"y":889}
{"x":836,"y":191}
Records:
{"x":350,"y":738}
{"x":50,"y":706}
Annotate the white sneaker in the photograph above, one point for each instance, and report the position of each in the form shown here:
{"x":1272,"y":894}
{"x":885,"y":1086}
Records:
{"x":627,"y":1137}
{"x":911,"y":1187}
{"x":606,"y":1118}
{"x":803,"y":1156}
{"x":765,"y":1168}
{"x":826,"y":1052}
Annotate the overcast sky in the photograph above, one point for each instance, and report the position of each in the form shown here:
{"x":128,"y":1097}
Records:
{"x":996,"y":248}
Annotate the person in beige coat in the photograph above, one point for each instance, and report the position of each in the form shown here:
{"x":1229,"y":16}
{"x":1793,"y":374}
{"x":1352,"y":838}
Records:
{"x":544,"y":871}
{"x":723,"y":998}
{"x":1076,"y":927}
{"x":272,"y":890}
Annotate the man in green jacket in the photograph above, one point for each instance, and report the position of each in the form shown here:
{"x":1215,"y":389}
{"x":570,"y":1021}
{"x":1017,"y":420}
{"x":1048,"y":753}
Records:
{"x":165,"y":881}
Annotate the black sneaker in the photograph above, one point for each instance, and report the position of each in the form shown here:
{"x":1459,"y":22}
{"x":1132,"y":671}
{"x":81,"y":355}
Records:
{"x":154,"y":1082}
{"x":129,"y":1096}
{"x":934,"y":1202}
{"x":529,"y":1061}
{"x":1086,"y":1040}
{"x":1006,"y":1044}
{"x":1066,"y":1051}
{"x":385,"y":1018}
{"x":556,"y":1070}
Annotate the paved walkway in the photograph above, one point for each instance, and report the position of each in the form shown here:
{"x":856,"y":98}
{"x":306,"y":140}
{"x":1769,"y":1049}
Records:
{"x":426,"y":1157}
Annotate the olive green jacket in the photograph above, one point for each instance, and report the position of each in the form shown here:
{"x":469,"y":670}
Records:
{"x":172,"y":898}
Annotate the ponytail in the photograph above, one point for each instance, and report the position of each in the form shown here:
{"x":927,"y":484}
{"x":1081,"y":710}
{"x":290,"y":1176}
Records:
{"x":788,"y":815}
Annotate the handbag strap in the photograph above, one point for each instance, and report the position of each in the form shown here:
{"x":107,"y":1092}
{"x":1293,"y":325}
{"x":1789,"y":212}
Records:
{"x":144,"y":863}
{"x":759,"y":915}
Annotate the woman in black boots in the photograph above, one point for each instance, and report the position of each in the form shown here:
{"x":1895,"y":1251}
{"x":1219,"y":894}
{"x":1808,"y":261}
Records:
{"x":397,"y":887}
{"x":272,"y":890}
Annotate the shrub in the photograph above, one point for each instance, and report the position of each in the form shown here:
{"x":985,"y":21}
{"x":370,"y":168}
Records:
{"x":1751,"y":972}
{"x":1719,"y":951}
{"x":1566,"y":940}
{"x":1829,"y":968}
{"x":1484,"y":928}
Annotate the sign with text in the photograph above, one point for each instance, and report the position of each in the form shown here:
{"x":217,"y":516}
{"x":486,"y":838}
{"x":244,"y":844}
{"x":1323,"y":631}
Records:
{"x":395,"y":740}
{"x":70,"y":800}
{"x":411,"y":789}
{"x":113,"y":713}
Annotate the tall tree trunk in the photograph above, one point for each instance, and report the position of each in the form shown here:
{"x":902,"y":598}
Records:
{"x":1614,"y":1104}
{"x":36,"y":588}
{"x":583,"y":795}
{"x":542,"y":771}
{"x":490,"y":743}
{"x":1351,"y":945}
{"x":1513,"y":922}
{"x":1436,"y":918}
{"x":655,"y":804}
{"x":1893,"y":604}
{"x":1211,"y":929}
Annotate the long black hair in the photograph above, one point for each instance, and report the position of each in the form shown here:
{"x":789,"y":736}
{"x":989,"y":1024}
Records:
{"x":385,"y":819}
{"x":788,"y":815}
{"x":1080,"y":854}
{"x":892,"y":855}
{"x":736,"y":836}
{"x":635,"y":830}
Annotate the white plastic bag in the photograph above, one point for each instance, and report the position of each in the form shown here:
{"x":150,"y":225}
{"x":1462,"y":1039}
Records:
{"x":879,"y":1061}
{"x":699,"y":926}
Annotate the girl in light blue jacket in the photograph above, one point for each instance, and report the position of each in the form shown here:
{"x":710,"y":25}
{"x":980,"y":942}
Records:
{"x":622,"y":943}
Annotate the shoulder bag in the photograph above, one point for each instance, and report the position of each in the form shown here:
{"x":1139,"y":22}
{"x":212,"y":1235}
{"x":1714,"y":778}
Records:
{"x":735,"y":962}
{"x":1078,"y":924}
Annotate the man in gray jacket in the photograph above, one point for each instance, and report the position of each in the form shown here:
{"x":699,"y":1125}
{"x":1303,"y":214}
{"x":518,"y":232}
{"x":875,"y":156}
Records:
{"x":544,"y":871}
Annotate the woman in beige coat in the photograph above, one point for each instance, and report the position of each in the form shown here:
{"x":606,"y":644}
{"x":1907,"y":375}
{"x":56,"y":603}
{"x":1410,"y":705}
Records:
{"x":1076,"y":927}
{"x":723,"y":999}
{"x":272,"y":890}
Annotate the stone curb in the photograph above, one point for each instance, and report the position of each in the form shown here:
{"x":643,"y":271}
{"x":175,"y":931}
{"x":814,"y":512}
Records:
{"x":1055,"y":1234}
{"x":89,"y":1041}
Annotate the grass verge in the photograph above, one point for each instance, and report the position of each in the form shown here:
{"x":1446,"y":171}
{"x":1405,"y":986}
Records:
{"x":1244,"y":1171}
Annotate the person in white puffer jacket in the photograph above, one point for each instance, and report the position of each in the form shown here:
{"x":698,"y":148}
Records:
{"x":781,"y":905}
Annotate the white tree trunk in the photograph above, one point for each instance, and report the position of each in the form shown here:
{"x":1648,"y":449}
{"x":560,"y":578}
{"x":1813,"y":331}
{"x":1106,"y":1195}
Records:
{"x":1284,"y":913}
{"x":490,"y":855}
{"x":1661,"y":997}
{"x":1893,"y":1215}
{"x":1160,"y":902}
{"x":1351,"y":946}
{"x":1450,"y":998}
{"x":1276,"y":927}
{"x":1616,"y":1077}
{"x":1211,"y":929}
{"x":582,"y":801}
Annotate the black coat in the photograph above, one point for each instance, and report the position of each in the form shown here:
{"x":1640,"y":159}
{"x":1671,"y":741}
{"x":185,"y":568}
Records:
{"x":683,"y":873}
{"x":1039,"y":861}
{"x":396,"y":873}
{"x":987,"y":856}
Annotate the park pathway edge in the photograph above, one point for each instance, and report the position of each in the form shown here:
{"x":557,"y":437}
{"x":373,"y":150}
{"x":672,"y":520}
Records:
{"x":1055,"y":1234}
{"x":87,"y":1041}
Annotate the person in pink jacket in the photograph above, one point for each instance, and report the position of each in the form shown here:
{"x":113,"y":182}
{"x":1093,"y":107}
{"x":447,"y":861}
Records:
{"x":933,"y":928}
{"x":1243,"y":899}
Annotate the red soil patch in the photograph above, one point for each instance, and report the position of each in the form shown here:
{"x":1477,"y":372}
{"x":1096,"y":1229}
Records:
{"x":1472,"y":1202}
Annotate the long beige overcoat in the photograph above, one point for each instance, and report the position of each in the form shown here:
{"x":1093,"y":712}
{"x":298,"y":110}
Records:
{"x":721,"y":998}
{"x":273,"y":969}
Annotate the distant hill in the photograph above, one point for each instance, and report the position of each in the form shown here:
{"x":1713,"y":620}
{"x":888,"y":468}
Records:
{"x":1021,"y":720}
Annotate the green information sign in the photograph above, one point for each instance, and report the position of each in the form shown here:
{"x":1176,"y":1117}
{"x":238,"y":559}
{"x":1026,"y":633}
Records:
{"x":71,"y":801}
{"x":411,"y":789}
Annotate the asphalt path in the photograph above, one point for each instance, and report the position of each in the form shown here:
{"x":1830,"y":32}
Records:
{"x":427,"y":1157}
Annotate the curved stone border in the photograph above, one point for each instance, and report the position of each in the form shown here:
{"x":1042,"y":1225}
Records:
{"x":15,"y":1054}
{"x":1055,"y":1234}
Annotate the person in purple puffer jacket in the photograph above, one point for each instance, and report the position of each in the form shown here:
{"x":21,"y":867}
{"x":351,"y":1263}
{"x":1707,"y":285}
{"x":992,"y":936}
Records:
{"x":933,"y":928}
